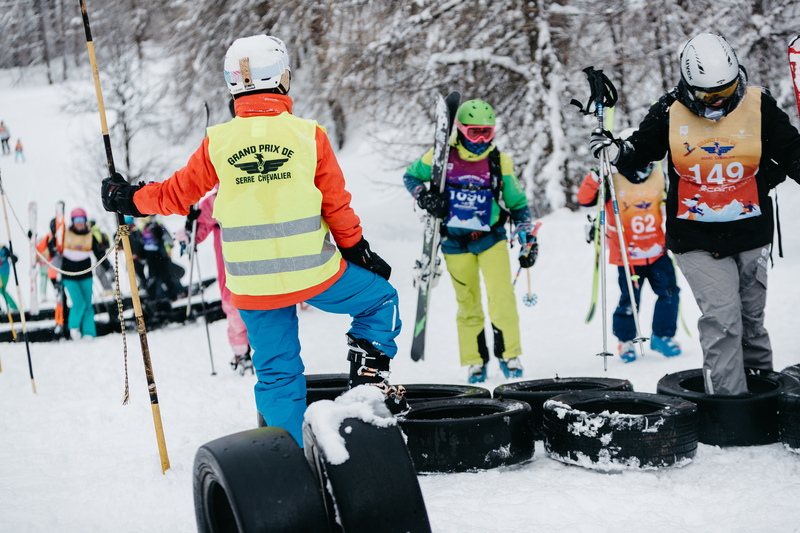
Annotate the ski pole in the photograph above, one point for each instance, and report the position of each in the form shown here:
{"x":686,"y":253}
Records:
{"x":603,"y":94}
{"x":16,"y":282}
{"x":205,"y":315}
{"x":523,"y":231}
{"x":126,"y":244}
{"x":640,"y":339}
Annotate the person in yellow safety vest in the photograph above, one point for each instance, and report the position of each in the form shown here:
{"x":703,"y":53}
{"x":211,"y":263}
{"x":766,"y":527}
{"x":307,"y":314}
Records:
{"x":281,"y":197}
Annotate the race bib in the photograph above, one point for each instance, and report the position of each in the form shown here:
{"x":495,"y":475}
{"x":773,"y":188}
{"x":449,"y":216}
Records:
{"x":717,"y":162}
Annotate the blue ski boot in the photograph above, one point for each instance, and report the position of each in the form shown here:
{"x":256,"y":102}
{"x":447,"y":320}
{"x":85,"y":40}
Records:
{"x":665,"y":345}
{"x":627,"y":352}
{"x":512,"y":368}
{"x":477,"y":373}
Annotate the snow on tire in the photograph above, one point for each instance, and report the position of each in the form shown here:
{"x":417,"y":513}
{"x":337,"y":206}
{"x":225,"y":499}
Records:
{"x":465,"y":434}
{"x":617,"y":430}
{"x":746,"y":420}
{"x":256,"y":480}
{"x":375,"y":488}
{"x":789,"y":419}
{"x":536,"y":392}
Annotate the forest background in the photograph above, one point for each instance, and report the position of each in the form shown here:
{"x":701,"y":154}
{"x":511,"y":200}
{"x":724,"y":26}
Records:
{"x":375,"y":64}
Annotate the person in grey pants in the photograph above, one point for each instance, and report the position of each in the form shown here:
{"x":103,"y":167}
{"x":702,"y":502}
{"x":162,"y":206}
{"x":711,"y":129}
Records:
{"x":725,"y":143}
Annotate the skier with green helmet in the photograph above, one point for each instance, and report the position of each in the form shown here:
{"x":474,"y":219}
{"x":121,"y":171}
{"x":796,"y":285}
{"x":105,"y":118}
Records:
{"x":481,"y":193}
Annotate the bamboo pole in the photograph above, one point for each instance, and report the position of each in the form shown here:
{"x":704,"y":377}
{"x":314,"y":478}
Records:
{"x":126,"y":244}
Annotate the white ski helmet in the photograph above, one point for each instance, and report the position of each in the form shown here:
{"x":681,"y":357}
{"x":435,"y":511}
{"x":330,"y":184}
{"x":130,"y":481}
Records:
{"x":257,"y":62}
{"x":708,"y":61}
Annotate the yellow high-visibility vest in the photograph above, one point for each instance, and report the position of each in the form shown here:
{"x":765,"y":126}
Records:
{"x":274,"y":240}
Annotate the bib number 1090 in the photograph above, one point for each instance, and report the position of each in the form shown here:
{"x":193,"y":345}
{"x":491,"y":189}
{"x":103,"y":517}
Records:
{"x":733,"y":173}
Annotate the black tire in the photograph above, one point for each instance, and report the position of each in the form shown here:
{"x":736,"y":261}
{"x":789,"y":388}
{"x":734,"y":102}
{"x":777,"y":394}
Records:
{"x":256,"y":480}
{"x":463,"y":434}
{"x":537,"y":391}
{"x":324,"y":386}
{"x":789,"y":419}
{"x":616,"y":430}
{"x":793,"y":371}
{"x":376,"y":488}
{"x":417,"y":392}
{"x":318,"y":387}
{"x":746,"y":420}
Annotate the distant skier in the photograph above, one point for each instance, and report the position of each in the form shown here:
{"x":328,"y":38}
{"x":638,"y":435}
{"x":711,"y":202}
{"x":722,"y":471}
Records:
{"x":479,"y":181}
{"x":644,"y":235}
{"x":18,"y":153}
{"x":276,"y":230}
{"x":5,"y":268}
{"x":162,"y":283}
{"x":79,"y":245}
{"x":5,"y":135}
{"x":723,"y":258}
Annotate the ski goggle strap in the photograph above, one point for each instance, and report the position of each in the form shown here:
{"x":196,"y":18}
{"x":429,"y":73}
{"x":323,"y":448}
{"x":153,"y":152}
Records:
{"x":709,"y":96}
{"x":476,"y":134}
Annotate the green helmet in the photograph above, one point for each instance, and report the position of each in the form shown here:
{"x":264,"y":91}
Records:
{"x":475,"y":113}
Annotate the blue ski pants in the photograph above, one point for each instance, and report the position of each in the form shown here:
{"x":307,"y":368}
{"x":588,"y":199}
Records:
{"x":81,"y":315}
{"x":273,"y":334}
{"x":661,"y":276}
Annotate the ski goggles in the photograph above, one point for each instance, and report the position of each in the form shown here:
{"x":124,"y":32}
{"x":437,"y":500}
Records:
{"x":79,"y":220}
{"x":710,"y":96}
{"x":477,"y":134}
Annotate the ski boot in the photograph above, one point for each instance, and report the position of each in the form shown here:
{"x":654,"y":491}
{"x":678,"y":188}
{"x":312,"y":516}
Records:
{"x":665,"y":345}
{"x":627,"y":352}
{"x":512,"y":368}
{"x":370,"y":366}
{"x":477,"y":373}
{"x":243,"y":363}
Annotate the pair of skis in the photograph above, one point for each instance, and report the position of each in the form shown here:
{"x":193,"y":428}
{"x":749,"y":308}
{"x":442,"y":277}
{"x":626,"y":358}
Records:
{"x":427,"y":267}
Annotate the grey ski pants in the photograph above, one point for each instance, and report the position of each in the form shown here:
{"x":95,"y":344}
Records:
{"x":731,"y":293}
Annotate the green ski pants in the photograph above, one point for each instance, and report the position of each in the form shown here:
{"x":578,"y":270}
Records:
{"x":465,"y":270}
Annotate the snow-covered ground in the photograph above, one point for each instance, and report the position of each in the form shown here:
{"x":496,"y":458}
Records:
{"x":73,"y":458}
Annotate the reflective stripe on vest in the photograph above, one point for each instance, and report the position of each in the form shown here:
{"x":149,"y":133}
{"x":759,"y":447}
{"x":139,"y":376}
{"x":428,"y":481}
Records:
{"x":274,"y":240}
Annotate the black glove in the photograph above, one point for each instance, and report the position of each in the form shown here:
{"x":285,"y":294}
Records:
{"x":527,"y":260}
{"x":194,"y":213}
{"x":361,"y":255}
{"x":117,"y":195}
{"x":603,"y":139}
{"x":434,"y":203}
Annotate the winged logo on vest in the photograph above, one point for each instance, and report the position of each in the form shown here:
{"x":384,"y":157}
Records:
{"x":261,"y":166}
{"x":717,"y":149}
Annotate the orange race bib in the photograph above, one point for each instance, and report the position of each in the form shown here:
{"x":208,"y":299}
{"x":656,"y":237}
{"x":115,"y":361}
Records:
{"x":640,"y":214}
{"x":717,"y":161}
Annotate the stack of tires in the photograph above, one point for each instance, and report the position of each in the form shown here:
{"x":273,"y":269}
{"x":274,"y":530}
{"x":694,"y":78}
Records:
{"x":261,"y":480}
